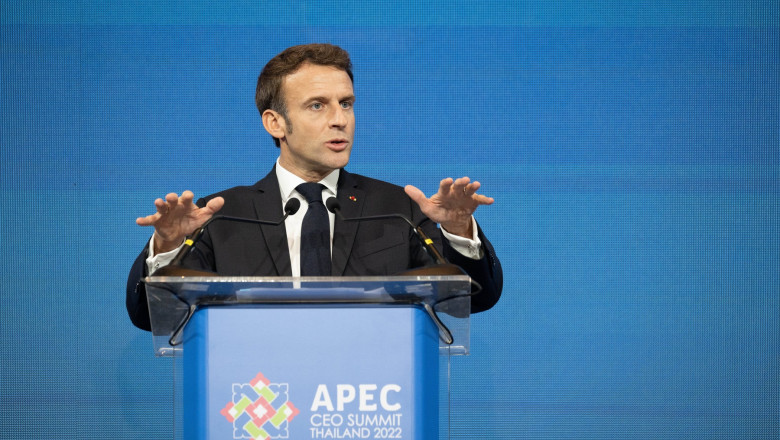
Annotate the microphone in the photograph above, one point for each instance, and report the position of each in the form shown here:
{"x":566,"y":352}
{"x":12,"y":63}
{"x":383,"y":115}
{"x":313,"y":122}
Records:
{"x":441,"y":267}
{"x":175,"y":268}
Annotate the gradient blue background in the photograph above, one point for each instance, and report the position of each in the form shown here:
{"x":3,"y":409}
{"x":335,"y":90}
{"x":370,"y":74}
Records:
{"x":632,"y":150}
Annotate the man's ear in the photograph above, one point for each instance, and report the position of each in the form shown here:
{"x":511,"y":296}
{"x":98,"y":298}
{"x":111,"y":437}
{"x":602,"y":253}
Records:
{"x":274,"y":124}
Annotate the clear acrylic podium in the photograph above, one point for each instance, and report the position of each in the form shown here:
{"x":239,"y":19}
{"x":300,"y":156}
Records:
{"x":312,"y":357}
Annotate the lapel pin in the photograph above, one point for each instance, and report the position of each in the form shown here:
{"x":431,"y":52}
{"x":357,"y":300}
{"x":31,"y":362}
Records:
{"x":353,"y":198}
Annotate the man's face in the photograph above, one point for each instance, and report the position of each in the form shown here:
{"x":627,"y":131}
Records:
{"x":320,"y":125}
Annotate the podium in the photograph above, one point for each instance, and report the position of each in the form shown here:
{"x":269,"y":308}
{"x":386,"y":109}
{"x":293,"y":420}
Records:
{"x":311,"y":357}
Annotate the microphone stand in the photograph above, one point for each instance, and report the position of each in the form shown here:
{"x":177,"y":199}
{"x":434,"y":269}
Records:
{"x":176,"y":269}
{"x":441,"y":266}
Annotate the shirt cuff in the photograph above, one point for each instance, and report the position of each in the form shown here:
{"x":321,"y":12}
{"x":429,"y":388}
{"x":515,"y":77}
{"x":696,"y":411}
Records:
{"x":471,"y":248}
{"x":154,"y":262}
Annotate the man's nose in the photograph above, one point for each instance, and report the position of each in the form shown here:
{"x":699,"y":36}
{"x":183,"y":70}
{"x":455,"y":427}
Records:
{"x":338,"y":117}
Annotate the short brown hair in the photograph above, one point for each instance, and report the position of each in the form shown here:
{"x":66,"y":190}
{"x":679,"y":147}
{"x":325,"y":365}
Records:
{"x":269,"y":94}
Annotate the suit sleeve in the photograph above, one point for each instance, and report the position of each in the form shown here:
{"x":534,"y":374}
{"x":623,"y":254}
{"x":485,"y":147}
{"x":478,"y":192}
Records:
{"x":485,"y":271}
{"x":137,"y":307}
{"x":135,"y":300}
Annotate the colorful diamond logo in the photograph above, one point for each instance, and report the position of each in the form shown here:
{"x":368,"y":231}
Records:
{"x":260,"y":410}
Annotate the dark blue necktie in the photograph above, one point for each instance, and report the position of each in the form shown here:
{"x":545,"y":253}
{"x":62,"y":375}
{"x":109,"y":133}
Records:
{"x":315,"y":233}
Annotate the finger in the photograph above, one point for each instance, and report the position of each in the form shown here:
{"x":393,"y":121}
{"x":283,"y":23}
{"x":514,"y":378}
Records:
{"x":162,"y":206}
{"x":149,"y":220}
{"x":186,"y":197}
{"x":460,"y":186}
{"x":445,"y":185}
{"x":214,"y":205}
{"x":472,"y":188}
{"x":471,"y":191}
{"x":415,"y":194}
{"x":172,"y":199}
{"x":483,"y":200}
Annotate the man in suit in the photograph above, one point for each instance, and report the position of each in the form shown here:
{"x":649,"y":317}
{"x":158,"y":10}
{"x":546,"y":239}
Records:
{"x":305,"y":98}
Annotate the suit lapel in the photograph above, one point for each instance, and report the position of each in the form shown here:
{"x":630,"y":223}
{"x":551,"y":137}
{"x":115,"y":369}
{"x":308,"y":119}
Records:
{"x":267,"y":202}
{"x":351,"y":199}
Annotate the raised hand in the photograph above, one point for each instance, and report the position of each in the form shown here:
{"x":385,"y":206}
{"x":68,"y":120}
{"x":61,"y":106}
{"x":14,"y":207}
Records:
{"x":453,"y":205}
{"x":176,"y":218}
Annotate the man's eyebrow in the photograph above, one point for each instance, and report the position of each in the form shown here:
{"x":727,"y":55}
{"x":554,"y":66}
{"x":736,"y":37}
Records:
{"x":325,"y":98}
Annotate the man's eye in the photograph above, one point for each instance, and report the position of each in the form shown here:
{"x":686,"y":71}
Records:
{"x":316,"y":106}
{"x":346,"y":105}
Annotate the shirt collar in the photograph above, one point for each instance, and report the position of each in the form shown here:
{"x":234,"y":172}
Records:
{"x":289,"y":181}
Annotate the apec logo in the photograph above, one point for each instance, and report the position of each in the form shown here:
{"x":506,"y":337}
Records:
{"x":260,"y":410}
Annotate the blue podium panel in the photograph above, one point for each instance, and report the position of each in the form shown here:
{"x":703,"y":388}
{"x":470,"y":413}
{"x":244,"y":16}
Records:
{"x":311,"y":372}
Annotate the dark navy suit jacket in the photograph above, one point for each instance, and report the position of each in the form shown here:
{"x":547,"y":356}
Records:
{"x":365,"y":248}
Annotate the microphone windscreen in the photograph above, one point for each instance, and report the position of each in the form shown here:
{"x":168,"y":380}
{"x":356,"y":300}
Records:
{"x":292,"y":206}
{"x":333,"y":205}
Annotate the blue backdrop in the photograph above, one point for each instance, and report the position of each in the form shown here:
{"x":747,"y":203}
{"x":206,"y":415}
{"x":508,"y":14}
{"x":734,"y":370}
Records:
{"x":632,"y":150}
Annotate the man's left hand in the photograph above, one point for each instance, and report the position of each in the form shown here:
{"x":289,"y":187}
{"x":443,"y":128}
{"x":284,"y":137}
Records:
{"x":453,"y":205}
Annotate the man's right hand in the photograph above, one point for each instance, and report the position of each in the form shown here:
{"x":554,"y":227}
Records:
{"x":176,"y":218}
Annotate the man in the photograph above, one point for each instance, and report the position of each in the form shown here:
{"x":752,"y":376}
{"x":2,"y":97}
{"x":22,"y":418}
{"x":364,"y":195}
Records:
{"x":305,"y":98}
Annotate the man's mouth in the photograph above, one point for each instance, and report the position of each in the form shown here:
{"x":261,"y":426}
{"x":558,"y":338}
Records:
{"x":337,"y":144}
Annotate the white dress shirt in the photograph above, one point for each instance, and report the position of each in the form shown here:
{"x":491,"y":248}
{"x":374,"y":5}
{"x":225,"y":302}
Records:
{"x":287,"y":184}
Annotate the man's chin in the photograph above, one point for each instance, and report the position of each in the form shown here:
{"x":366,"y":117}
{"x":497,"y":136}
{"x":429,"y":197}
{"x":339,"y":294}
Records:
{"x":341,"y":158}
{"x":341,"y":164}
